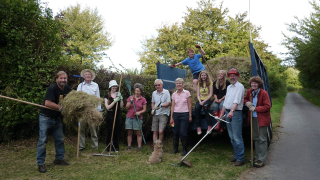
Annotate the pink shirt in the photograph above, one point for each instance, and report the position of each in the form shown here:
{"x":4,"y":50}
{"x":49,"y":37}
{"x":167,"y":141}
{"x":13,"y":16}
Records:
{"x":139,"y":106}
{"x":181,"y":102}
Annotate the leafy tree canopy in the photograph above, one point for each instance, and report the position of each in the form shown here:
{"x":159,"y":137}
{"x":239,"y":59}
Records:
{"x":30,"y":51}
{"x":207,"y":25}
{"x":86,"y":38}
{"x":303,"y":47}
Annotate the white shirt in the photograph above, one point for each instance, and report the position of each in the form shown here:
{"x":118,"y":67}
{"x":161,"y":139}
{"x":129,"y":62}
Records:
{"x":162,"y":98}
{"x":235,"y":94}
{"x":91,"y":88}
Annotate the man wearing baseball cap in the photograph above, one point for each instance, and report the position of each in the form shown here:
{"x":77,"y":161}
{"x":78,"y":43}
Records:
{"x":232,"y":108}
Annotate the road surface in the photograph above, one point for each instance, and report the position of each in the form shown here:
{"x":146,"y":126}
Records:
{"x":296,"y":154}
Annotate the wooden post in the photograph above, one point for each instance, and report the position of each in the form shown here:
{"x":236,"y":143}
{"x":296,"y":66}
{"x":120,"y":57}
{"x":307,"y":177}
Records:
{"x":78,"y":143}
{"x":251,"y":133}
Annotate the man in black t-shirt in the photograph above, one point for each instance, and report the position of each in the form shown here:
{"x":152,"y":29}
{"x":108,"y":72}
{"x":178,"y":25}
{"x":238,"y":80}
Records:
{"x":51,"y":120}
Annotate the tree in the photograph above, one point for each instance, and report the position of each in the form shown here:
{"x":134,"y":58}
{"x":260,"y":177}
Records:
{"x":303,"y":47}
{"x":207,"y":25}
{"x":30,"y":50}
{"x":87,"y":39}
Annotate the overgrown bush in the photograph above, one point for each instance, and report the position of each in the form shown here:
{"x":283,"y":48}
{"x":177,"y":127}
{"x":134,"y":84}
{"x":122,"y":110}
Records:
{"x":30,"y":48}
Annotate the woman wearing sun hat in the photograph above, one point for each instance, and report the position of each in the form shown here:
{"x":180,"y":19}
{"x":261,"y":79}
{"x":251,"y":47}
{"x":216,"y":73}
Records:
{"x":111,"y":99}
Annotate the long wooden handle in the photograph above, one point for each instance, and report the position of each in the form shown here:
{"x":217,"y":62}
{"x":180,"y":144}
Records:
{"x":115,"y":116}
{"x":26,"y":102}
{"x":251,"y":133}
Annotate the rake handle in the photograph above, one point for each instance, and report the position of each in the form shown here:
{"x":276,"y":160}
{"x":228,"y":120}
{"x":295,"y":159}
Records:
{"x":115,"y":116}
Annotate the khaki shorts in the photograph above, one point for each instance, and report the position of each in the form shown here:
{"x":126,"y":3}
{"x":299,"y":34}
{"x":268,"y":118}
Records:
{"x":159,"y":122}
{"x":133,"y":123}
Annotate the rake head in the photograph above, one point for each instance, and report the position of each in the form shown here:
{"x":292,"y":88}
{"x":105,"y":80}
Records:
{"x":128,"y":84}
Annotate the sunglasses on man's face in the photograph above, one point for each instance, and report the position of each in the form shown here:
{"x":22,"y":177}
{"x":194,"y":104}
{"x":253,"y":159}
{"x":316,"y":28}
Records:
{"x":157,"y":85}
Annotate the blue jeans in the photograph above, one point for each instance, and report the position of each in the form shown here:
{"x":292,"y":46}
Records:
{"x":206,"y":108}
{"x":235,"y":134}
{"x":181,"y":123}
{"x":46,"y":124}
{"x":217,"y":106}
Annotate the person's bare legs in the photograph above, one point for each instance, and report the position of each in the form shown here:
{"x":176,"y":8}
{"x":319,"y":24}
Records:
{"x":139,"y":138}
{"x":129,"y":137}
{"x":195,"y":83}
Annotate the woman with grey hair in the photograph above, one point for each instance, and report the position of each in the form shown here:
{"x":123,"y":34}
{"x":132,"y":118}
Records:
{"x":181,"y":115}
{"x":131,"y":120}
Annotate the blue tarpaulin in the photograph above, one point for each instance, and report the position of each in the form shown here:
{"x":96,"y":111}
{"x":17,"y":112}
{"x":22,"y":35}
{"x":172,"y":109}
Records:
{"x":168,"y":75}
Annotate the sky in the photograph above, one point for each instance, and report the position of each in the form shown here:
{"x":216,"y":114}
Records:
{"x":131,"y":21}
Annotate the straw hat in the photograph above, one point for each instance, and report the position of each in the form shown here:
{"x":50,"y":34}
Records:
{"x":93,"y":74}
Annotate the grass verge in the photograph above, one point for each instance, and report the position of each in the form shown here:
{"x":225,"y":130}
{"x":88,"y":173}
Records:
{"x":276,"y":110}
{"x":210,"y":160}
{"x":311,"y":95}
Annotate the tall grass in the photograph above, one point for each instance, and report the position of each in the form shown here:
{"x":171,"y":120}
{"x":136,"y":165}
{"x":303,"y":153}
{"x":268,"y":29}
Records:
{"x":276,"y":110}
{"x":312,"y":95}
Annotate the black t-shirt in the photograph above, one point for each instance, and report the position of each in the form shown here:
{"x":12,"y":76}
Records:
{"x":113,"y":109}
{"x":219,"y":92}
{"x":53,"y":94}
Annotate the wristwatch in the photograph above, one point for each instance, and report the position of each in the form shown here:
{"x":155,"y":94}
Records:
{"x":232,"y":110}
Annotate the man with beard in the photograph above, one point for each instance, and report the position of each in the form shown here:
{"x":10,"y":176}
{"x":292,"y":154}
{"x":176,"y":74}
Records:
{"x":232,"y":108}
{"x":50,"y":120}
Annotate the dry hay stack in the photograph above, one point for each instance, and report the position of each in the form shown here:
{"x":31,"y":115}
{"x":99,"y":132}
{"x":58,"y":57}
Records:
{"x":80,"y":106}
{"x":222,"y":63}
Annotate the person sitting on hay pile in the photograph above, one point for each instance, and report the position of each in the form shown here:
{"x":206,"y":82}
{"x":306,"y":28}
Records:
{"x":91,"y":88}
{"x":131,"y":120}
{"x":194,"y":63}
{"x":52,"y":120}
{"x":204,"y":94}
{"x":111,"y":100}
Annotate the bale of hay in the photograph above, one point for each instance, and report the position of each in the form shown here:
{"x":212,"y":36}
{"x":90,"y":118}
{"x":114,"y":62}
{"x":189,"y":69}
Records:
{"x":222,"y":63}
{"x":81,"y":107}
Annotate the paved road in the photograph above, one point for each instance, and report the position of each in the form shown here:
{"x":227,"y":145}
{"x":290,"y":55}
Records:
{"x":296,"y":155}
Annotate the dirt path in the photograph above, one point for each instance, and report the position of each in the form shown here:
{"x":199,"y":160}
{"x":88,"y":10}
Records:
{"x":296,"y":153}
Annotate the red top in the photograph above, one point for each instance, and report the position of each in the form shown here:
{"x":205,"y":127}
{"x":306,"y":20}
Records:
{"x":263,"y":107}
{"x":139,"y":106}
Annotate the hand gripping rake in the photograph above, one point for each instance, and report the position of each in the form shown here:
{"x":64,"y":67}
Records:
{"x":110,"y":145}
{"x":128,"y":84}
{"x":184,"y":160}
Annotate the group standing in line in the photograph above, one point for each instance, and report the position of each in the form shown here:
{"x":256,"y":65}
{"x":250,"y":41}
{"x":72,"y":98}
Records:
{"x":225,"y":98}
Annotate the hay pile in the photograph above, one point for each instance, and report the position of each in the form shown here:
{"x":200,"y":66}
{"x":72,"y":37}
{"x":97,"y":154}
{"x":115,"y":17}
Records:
{"x":80,"y":106}
{"x":223,"y":63}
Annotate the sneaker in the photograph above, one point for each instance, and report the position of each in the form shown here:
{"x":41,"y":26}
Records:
{"x":209,"y":128}
{"x":199,"y":130}
{"x":254,"y":160}
{"x":128,"y":148}
{"x":238,"y":163}
{"x":42,"y":168}
{"x":233,"y":159}
{"x":139,"y":149}
{"x":258,"y":164}
{"x":61,"y":162}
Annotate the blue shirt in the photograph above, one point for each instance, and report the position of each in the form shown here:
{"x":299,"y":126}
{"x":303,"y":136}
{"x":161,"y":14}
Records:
{"x":194,"y":64}
{"x":254,"y":101}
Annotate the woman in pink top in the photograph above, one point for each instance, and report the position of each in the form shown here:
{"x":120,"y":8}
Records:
{"x":181,"y":115}
{"x":131,"y":120}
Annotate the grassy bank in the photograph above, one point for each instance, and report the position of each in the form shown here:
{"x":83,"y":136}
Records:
{"x":312,"y":95}
{"x":276,"y":110}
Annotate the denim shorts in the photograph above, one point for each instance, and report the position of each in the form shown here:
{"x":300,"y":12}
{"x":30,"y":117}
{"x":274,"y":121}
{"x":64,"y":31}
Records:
{"x":132,"y":123}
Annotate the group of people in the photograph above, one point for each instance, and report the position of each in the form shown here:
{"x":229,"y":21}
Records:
{"x":227,"y":98}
